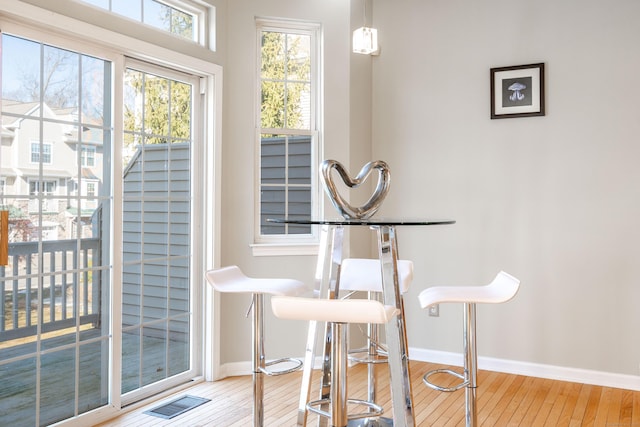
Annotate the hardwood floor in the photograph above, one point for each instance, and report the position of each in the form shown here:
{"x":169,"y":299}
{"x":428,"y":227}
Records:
{"x":503,"y":400}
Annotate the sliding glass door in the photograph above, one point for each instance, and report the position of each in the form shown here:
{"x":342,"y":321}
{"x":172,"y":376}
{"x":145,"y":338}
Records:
{"x":94,"y":216}
{"x":157,"y":297}
{"x":57,"y":195}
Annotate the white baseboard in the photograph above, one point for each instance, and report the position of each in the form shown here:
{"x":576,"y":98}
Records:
{"x":583,"y":376}
{"x":234,"y":369}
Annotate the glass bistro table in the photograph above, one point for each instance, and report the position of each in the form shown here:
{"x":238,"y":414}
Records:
{"x":326,"y":278}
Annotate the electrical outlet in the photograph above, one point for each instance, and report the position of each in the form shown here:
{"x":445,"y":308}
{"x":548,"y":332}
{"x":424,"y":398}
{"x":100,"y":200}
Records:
{"x":434,"y":310}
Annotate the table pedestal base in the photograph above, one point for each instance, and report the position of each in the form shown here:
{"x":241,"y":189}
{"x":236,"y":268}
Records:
{"x":371,"y":422}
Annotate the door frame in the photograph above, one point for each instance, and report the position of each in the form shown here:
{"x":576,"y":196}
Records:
{"x":30,"y":21}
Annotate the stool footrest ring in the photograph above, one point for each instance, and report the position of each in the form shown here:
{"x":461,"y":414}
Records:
{"x":363,"y":356}
{"x":374,"y":409}
{"x":297,"y":366}
{"x":464,"y":383}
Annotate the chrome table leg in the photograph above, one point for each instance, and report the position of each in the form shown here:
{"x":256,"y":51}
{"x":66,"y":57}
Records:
{"x":401,"y":395}
{"x":326,"y":278}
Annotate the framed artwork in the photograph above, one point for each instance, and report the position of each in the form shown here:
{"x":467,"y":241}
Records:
{"x":517,"y":91}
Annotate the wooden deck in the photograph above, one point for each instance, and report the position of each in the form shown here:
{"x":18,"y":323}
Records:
{"x":18,"y":379}
{"x":503,"y":400}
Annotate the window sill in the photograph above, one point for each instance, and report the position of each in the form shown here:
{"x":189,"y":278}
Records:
{"x":284,"y":249}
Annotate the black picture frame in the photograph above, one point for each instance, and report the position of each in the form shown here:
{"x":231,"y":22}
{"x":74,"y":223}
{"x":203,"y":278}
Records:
{"x":517,"y":91}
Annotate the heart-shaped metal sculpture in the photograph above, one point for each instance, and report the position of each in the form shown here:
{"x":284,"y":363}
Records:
{"x":374,"y":202}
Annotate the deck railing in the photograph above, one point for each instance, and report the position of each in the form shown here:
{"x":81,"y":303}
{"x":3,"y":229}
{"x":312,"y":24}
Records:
{"x":61,"y":287}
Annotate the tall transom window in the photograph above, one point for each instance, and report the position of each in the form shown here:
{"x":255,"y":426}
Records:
{"x":179,"y":17}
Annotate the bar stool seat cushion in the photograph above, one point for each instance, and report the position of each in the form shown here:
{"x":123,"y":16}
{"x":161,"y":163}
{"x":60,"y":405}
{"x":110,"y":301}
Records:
{"x":332,"y":310}
{"x":232,"y":279}
{"x":362,"y":274}
{"x":501,"y":289}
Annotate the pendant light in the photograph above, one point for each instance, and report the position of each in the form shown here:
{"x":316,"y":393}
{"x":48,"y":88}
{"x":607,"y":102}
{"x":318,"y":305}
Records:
{"x":365,"y":39}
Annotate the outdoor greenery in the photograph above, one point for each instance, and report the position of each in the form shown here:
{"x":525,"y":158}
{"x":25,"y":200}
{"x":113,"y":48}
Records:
{"x":285,"y":76}
{"x":157,"y":109}
{"x":179,"y":23}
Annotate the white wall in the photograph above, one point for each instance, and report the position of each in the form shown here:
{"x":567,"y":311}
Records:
{"x":553,"y":200}
{"x":239,"y":158}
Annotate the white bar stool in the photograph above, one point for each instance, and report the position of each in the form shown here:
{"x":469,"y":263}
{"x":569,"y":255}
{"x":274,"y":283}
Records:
{"x":501,"y":289}
{"x":365,"y":275}
{"x":338,"y":313}
{"x":232,"y":280}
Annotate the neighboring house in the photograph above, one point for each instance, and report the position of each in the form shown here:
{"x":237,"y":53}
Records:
{"x":71,"y":166}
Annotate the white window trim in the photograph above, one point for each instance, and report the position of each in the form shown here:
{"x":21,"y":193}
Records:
{"x":304,"y":244}
{"x":285,"y":249}
{"x":199,"y":11}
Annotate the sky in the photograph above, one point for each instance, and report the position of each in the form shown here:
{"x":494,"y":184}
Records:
{"x":21,"y":58}
{"x":17,"y":57}
{"x":133,"y":9}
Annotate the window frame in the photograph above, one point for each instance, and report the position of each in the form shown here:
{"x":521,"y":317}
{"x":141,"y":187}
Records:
{"x":40,"y":183}
{"x":41,"y":152}
{"x":290,"y":244}
{"x":86,"y":154}
{"x":203,"y":19}
{"x":44,"y":197}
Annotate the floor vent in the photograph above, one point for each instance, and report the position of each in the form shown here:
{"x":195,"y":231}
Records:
{"x":177,"y":407}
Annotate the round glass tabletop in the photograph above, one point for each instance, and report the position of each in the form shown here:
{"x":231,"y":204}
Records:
{"x":369,"y":221}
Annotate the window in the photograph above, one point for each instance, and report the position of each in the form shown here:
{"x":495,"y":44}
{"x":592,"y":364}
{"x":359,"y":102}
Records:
{"x":41,"y":193}
{"x":91,"y":190}
{"x":88,"y":156}
{"x":288,"y":127}
{"x":46,"y":188}
{"x":181,"y":18}
{"x":40,"y":153}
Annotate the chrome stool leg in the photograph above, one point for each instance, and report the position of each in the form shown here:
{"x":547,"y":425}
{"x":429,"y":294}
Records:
{"x":372,"y":354}
{"x":339,"y":394}
{"x":470,"y":367}
{"x":470,"y":364}
{"x":258,"y":362}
